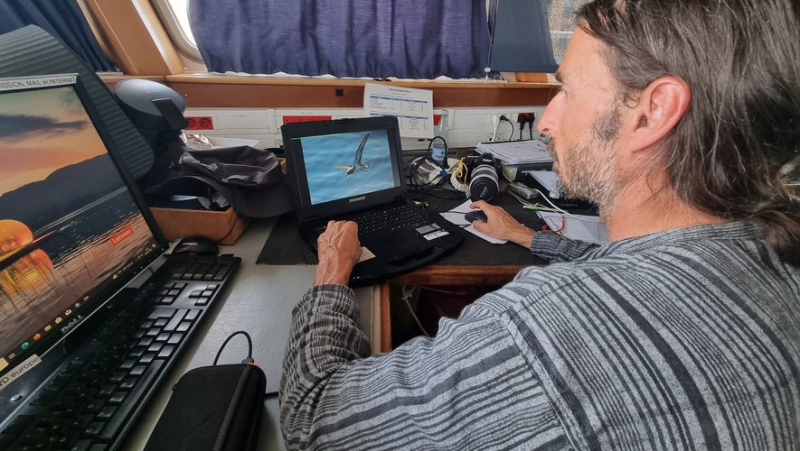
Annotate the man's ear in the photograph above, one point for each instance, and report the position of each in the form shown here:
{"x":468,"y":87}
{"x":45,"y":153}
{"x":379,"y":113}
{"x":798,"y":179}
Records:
{"x":661,"y":106}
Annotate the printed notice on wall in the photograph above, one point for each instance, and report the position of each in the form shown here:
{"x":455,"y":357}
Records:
{"x":412,"y":107}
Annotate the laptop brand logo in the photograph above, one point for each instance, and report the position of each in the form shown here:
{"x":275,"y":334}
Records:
{"x":358,"y":199}
{"x":121,"y":236}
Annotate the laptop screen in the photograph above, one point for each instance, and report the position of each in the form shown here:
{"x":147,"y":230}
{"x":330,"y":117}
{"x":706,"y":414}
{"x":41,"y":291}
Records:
{"x":344,"y":165}
{"x":70,"y":230}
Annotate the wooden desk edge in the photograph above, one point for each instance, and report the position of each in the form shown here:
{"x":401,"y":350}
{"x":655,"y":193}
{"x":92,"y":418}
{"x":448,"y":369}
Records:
{"x":440,"y":275}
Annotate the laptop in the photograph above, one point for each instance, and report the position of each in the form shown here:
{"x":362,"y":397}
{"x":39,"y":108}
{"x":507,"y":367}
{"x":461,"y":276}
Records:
{"x":91,"y":315}
{"x":351,"y":169}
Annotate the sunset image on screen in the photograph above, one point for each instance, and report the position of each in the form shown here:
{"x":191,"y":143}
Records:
{"x":41,"y":131}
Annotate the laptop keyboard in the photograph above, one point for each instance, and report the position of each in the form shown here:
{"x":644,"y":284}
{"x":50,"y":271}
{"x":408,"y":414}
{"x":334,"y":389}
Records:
{"x":91,"y":400}
{"x":378,"y":222}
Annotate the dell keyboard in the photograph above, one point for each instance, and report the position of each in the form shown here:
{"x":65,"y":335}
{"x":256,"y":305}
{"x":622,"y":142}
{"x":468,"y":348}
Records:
{"x":91,"y":401}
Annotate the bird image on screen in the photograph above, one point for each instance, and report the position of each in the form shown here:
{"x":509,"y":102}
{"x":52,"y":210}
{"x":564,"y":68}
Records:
{"x":357,"y":164}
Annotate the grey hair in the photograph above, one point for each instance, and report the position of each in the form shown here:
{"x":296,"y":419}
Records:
{"x":737,"y":147}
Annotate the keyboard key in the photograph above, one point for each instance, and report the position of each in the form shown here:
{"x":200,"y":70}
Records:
{"x":82,"y":445}
{"x":94,"y":429}
{"x":167,"y":300}
{"x":184,"y":326}
{"x":107,"y":390}
{"x":192,"y":315}
{"x":166,"y":352}
{"x":117,"y":376}
{"x":117,"y":398}
{"x":106,"y":413}
{"x":128,"y":383}
{"x":175,"y":339}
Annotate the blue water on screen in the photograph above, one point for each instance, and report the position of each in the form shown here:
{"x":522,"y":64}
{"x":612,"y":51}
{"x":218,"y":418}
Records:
{"x":323,"y":153}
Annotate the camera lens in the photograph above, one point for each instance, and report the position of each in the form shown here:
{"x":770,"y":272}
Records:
{"x":484,"y":184}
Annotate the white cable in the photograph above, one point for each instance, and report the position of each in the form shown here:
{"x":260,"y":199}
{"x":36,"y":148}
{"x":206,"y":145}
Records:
{"x":406,"y":296}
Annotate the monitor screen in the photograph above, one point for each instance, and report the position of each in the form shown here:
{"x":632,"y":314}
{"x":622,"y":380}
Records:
{"x":345,"y":165}
{"x":69,"y":226}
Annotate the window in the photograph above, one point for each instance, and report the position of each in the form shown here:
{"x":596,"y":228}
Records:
{"x":175,"y":16}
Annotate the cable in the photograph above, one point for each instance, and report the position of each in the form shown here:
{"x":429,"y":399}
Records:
{"x":249,"y":358}
{"x":230,"y":230}
{"x":443,"y":164}
{"x":503,"y":118}
{"x":406,"y":296}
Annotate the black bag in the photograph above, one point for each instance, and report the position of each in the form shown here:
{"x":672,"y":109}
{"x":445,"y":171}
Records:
{"x":250,"y":179}
{"x":212,"y":408}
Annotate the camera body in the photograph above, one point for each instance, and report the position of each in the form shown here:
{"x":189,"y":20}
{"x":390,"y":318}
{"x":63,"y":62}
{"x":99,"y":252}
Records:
{"x":484,"y":176}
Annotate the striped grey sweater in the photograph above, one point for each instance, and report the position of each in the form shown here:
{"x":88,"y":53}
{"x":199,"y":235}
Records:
{"x":686,"y":339}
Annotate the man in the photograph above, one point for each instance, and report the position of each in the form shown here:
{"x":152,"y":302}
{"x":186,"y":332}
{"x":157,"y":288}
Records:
{"x":680,"y":119}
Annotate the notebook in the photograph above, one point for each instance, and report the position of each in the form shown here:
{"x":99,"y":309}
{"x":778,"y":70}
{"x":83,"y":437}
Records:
{"x":81,"y":347}
{"x":352,"y":169}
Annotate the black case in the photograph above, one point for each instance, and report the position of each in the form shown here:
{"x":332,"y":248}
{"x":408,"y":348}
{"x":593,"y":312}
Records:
{"x":212,"y":408}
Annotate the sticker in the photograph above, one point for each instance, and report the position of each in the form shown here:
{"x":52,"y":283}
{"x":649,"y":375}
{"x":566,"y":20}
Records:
{"x":3,"y":363}
{"x":19,"y":370}
{"x":366,"y":254}
{"x":434,"y":235}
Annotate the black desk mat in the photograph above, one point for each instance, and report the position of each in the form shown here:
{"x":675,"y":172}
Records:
{"x":285,"y":247}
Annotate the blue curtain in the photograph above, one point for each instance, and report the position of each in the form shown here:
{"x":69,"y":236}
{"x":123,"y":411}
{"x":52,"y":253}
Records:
{"x":61,"y":18}
{"x":344,"y":38}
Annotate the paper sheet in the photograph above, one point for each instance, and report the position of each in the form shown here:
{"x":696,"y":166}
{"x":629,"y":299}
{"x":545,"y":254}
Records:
{"x":578,"y":227}
{"x":412,"y":107}
{"x":518,"y":152}
{"x":456,"y":216}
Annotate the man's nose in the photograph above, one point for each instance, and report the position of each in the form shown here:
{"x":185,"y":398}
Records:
{"x":548,"y":120}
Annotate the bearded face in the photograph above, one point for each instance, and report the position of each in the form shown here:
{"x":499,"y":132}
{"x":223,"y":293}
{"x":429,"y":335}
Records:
{"x":588,"y":169}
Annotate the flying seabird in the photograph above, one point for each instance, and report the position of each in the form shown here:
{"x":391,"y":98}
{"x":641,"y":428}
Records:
{"x":357,"y":164}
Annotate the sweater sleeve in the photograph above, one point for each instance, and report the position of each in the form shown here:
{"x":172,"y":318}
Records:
{"x":467,"y":388}
{"x":552,"y":247}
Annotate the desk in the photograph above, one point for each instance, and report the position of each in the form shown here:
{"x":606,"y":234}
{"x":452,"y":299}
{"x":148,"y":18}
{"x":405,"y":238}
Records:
{"x":260,"y":302}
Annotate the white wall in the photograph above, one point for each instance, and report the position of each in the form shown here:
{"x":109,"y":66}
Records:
{"x":467,"y":126}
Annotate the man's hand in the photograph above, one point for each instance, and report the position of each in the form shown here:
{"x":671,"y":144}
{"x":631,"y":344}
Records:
{"x":502,"y":225}
{"x":338,"y":250}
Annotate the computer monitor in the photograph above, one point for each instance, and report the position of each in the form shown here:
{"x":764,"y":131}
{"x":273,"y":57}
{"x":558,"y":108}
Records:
{"x":71,"y":232}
